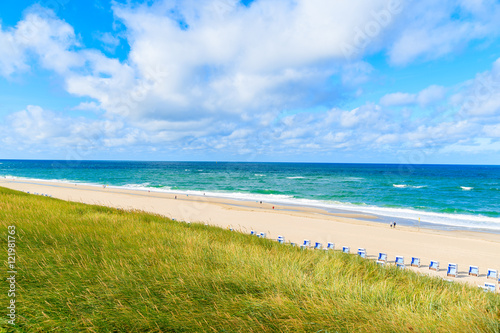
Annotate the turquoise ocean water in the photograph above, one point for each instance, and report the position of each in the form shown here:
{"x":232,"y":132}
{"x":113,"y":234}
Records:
{"x":443,"y":196}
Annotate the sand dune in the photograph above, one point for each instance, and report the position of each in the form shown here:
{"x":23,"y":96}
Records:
{"x":296,"y":224}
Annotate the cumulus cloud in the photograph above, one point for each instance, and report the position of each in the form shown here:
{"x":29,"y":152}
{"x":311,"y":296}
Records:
{"x":211,"y":75}
{"x":12,"y":58}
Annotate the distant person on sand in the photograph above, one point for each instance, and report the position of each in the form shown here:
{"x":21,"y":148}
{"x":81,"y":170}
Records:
{"x":394,"y":224}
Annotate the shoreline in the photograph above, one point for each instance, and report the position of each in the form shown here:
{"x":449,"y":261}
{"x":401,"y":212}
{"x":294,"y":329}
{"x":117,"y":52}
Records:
{"x":369,"y":213}
{"x":296,"y":223}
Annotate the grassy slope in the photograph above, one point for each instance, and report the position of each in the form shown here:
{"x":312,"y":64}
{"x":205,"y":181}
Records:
{"x":88,"y":267}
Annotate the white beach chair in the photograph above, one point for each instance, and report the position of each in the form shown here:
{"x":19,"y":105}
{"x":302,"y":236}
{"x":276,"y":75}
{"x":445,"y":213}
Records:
{"x":434,"y":266}
{"x":473,"y":270}
{"x":318,"y":246}
{"x":362,"y":252}
{"x":262,"y":235}
{"x":489,"y":287}
{"x":307,"y":242}
{"x":400,"y":262}
{"x":329,"y":246}
{"x":452,"y":270}
{"x":253,"y":233}
{"x":382,"y":258}
{"x":415,"y":262}
{"x":346,"y":249}
{"x":281,"y":239}
{"x":492,"y":274}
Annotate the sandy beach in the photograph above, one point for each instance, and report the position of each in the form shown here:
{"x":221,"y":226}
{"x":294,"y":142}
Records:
{"x":297,"y":224}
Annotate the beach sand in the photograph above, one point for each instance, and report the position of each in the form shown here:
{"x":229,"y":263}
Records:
{"x":296,"y":224}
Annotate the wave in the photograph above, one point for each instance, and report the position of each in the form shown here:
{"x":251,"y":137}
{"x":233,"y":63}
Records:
{"x":296,"y":177}
{"x":410,"y":186}
{"x":465,"y":188}
{"x":353,"y":179}
{"x":259,"y":175}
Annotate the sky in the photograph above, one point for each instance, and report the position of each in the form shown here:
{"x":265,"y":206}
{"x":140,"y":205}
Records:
{"x":370,"y":81}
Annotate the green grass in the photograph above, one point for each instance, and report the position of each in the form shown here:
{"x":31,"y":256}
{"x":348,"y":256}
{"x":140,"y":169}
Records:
{"x":97,"y":269}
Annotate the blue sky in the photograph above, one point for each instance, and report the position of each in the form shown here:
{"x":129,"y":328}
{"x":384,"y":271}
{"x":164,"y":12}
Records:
{"x":305,"y":80}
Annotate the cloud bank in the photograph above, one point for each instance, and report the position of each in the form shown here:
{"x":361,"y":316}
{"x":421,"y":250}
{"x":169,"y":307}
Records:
{"x":264,"y":79}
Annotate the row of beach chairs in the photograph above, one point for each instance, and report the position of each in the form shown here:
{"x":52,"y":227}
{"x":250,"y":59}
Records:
{"x":452,"y":270}
{"x":42,"y":194}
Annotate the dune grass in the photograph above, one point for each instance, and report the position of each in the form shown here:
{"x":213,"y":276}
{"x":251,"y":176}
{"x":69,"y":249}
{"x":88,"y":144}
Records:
{"x":97,"y":269}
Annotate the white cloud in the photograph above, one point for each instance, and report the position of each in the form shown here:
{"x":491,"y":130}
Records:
{"x":12,"y":58}
{"x":431,"y":29}
{"x":424,"y":98}
{"x":226,"y":81}
{"x":431,"y":95}
{"x":477,"y":146}
{"x":481,"y":96}
{"x":110,"y":42}
{"x":41,"y":33}
{"x":398,"y":99}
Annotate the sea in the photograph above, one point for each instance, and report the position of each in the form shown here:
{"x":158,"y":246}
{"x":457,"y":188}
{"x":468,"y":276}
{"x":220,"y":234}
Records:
{"x":450,"y":197}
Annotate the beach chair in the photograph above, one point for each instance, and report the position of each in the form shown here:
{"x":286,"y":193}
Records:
{"x":362,"y":253}
{"x":492,"y":274}
{"x":489,"y":287}
{"x":281,"y":239}
{"x":382,"y":258}
{"x":293,"y":244}
{"x":452,"y":270}
{"x":329,"y":246}
{"x":473,"y":271}
{"x":346,"y":249}
{"x":318,"y":246}
{"x":253,"y":233}
{"x":262,"y":235}
{"x":415,"y":262}
{"x":400,"y":262}
{"x":434,"y":266}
